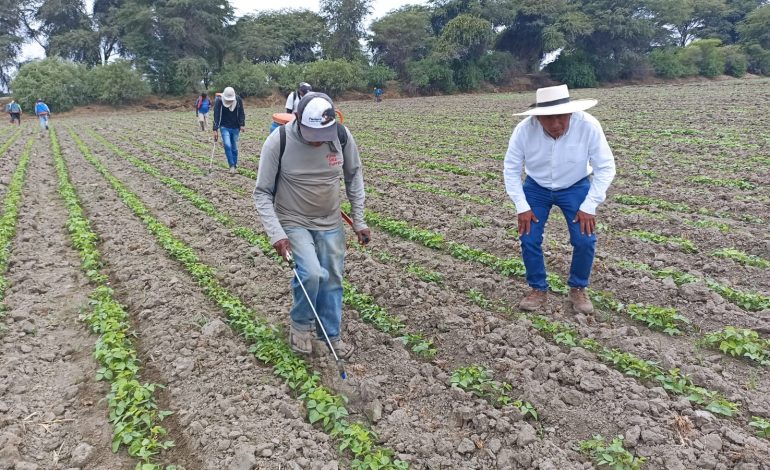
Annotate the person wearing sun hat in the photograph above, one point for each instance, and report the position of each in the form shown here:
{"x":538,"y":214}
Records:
{"x":297,"y":196}
{"x":569,"y":164}
{"x":230,"y":121}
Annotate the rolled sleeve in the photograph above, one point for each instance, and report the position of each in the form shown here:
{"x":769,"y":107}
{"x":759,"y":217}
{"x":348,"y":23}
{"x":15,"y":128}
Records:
{"x":512,"y":168}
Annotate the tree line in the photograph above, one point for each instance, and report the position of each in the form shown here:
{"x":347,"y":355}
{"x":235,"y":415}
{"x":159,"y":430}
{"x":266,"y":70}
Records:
{"x":183,"y":46}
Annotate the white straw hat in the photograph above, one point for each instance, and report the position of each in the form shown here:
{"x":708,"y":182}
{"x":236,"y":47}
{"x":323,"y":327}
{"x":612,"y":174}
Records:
{"x":555,"y":100}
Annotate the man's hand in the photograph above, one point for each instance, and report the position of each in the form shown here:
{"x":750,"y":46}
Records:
{"x":587,"y":222}
{"x":216,"y":136}
{"x":364,"y":236}
{"x":282,"y":247}
{"x":525,"y":219}
{"x":243,"y":128}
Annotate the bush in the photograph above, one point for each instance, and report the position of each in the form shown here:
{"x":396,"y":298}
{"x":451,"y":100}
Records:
{"x":689,"y":59}
{"x":468,"y":76}
{"x":666,"y":63}
{"x":286,"y":76}
{"x":497,"y":66}
{"x":378,"y":75}
{"x":736,"y":62}
{"x":710,"y":58}
{"x":61,"y":84}
{"x":758,"y":59}
{"x":430,"y":75}
{"x":191,"y":73}
{"x":575,"y":69}
{"x":117,"y":83}
{"x":247,"y":80}
{"x":334,"y":76}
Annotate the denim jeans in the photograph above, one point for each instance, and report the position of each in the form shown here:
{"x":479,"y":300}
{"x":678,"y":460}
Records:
{"x":230,"y":141}
{"x":568,"y":200}
{"x":320,"y":258}
{"x":43,"y":122}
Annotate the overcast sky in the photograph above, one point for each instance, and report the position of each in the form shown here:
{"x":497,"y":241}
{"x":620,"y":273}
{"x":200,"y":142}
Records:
{"x":242,"y":7}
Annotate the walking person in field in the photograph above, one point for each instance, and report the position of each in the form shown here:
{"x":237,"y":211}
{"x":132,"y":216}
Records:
{"x":230,"y":120}
{"x":298,"y":200}
{"x":14,"y":110}
{"x":202,"y":106}
{"x":559,"y":146}
{"x":43,"y":113}
{"x":292,"y":101}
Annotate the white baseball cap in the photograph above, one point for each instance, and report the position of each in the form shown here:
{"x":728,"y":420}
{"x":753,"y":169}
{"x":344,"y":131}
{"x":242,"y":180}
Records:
{"x":317,"y":118}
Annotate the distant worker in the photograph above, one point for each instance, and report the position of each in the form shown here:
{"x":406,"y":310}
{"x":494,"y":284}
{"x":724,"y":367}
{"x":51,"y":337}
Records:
{"x":230,"y":120}
{"x":377,"y":94}
{"x":292,"y":101}
{"x":43,"y":113}
{"x":202,"y":106}
{"x":14,"y":111}
{"x":559,"y":146}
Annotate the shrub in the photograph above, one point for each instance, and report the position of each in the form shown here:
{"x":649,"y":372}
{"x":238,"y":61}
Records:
{"x":575,"y":69}
{"x":468,"y":76}
{"x":117,"y":83}
{"x":711,"y":60}
{"x":191,"y":73}
{"x":666,"y":63}
{"x":736,"y":61}
{"x":689,"y":59}
{"x":334,"y":76}
{"x":378,"y":75}
{"x":247,"y":79}
{"x":286,"y":76}
{"x":758,"y":59}
{"x":497,"y":66}
{"x":430,"y":75}
{"x":61,"y":84}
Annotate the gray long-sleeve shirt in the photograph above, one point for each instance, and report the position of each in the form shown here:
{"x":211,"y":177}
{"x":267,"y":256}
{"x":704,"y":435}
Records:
{"x":307,"y":193}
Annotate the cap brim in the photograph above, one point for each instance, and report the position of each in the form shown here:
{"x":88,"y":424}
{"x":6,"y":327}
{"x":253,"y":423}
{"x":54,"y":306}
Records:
{"x":566,"y":108}
{"x":323,"y":134}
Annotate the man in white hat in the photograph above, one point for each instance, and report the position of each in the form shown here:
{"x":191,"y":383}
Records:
{"x":298,"y":200}
{"x":559,"y":146}
{"x":230,"y":120}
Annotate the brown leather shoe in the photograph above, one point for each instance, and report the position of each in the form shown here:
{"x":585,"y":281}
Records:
{"x":535,"y":300}
{"x":580,"y":301}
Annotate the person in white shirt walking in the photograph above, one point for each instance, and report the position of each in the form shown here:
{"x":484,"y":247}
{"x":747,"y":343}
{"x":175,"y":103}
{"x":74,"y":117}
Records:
{"x":559,"y":146}
{"x":292,"y":101}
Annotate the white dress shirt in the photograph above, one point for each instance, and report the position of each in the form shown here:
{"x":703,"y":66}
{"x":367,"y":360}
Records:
{"x":559,"y":163}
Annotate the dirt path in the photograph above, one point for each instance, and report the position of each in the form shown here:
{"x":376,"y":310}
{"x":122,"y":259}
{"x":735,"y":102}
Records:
{"x":52,"y":412}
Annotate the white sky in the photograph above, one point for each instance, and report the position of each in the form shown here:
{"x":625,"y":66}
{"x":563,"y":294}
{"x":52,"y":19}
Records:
{"x":33,"y":50}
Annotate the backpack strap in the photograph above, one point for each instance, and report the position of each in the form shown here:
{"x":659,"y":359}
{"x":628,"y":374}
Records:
{"x":282,"y":133}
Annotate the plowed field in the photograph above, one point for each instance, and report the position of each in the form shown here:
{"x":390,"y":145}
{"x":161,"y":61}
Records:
{"x":122,"y":258}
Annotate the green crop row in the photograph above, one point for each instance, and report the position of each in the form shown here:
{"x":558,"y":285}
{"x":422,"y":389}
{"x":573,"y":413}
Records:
{"x":672,"y":380}
{"x":665,"y":319}
{"x":724,"y":182}
{"x":741,"y":257}
{"x":478,"y":380}
{"x":740,"y":342}
{"x":242,"y":171}
{"x":10,"y":217}
{"x":9,"y":142}
{"x":632,"y":200}
{"x":134,"y":412}
{"x":686,"y":245}
{"x":323,"y":406}
{"x":158,"y":154}
{"x":612,"y":454}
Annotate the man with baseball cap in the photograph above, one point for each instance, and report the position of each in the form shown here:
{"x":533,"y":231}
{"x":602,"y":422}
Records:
{"x":230,"y":120}
{"x":298,"y":200}
{"x":559,"y":146}
{"x":292,"y":101}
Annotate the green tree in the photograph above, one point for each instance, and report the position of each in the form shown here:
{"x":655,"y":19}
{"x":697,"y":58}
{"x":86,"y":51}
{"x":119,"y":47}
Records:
{"x":686,"y":19}
{"x":274,"y":35}
{"x":335,"y":76}
{"x":61,"y":84}
{"x":117,"y":83}
{"x":401,"y":36}
{"x":247,"y":79}
{"x":11,"y":39}
{"x":725,"y":26}
{"x":755,"y":29}
{"x":466,"y":38}
{"x":430,"y":75}
{"x":345,"y":21}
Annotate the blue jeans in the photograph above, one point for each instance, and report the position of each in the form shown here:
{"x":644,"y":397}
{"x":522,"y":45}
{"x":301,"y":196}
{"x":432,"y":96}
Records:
{"x":230,"y":141}
{"x":568,"y":200}
{"x":320,"y":257}
{"x":43,"y":122}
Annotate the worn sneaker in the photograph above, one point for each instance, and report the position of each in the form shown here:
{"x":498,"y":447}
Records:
{"x":344,"y":350}
{"x":580,"y":301}
{"x":301,"y":341}
{"x":232,"y":170}
{"x":535,"y":300}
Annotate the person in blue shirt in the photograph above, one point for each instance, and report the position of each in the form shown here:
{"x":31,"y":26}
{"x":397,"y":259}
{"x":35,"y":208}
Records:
{"x":14,"y":110}
{"x":559,"y":146}
{"x":42,"y":112}
{"x":378,"y":94}
{"x":202,"y":107}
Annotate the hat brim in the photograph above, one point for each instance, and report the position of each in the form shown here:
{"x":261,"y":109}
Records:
{"x":322,"y":134}
{"x":565,"y":108}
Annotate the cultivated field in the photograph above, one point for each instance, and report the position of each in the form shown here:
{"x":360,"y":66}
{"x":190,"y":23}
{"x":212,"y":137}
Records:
{"x":122,"y":259}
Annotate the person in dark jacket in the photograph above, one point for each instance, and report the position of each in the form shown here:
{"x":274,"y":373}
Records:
{"x":230,"y":120}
